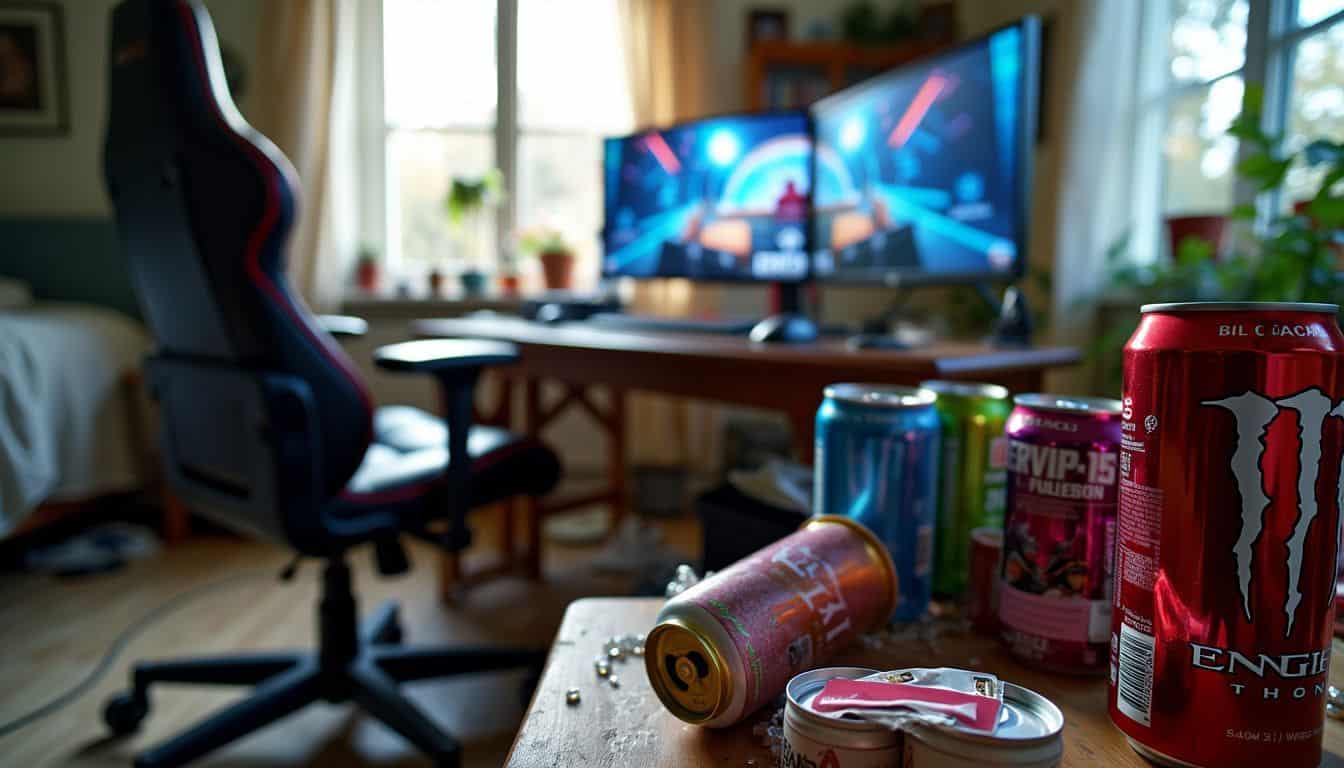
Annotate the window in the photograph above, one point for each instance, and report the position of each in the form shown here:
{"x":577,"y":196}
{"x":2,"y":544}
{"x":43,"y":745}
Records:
{"x":445,"y":66}
{"x":1197,"y":57}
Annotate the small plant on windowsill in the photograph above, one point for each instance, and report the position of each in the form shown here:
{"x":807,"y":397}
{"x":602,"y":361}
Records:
{"x":1294,"y":255}
{"x":466,"y":204}
{"x":554,"y":253}
{"x":366,"y":269}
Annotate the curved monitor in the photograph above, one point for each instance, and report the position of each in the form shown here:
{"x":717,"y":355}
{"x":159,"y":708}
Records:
{"x":923,"y":173}
{"x":724,"y":198}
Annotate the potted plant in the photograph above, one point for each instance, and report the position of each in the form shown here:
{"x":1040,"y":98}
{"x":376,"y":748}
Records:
{"x":1291,"y":256}
{"x":554,"y":253}
{"x":366,"y":269}
{"x":510,"y":283}
{"x":466,"y":204}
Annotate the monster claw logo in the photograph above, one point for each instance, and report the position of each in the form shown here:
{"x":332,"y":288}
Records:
{"x":1253,"y":413}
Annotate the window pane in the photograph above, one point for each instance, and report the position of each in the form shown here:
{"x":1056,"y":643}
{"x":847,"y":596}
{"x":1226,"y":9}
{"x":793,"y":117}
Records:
{"x":571,"y":68}
{"x":1311,"y":11}
{"x":421,"y":165}
{"x":439,"y":62}
{"x":1200,"y":157}
{"x":1208,"y":38}
{"x":1315,"y":104}
{"x":560,"y":187}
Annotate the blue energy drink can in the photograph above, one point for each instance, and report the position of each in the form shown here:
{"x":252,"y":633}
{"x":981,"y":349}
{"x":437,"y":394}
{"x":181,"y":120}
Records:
{"x":877,"y":462}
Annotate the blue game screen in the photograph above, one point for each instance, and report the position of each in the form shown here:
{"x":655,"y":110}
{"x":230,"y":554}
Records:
{"x":920,"y":172}
{"x":719,"y":199}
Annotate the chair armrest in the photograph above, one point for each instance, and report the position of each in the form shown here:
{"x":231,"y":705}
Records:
{"x":343,"y":326}
{"x":444,"y":355}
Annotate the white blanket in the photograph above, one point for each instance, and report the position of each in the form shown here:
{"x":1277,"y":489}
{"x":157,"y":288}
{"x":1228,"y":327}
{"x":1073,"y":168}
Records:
{"x":65,"y":413}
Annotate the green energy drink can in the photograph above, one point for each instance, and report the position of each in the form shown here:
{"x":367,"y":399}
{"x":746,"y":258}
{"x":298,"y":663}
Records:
{"x":972,"y":474}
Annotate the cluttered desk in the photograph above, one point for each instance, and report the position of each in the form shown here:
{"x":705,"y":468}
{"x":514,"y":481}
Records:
{"x":721,"y":368}
{"x":852,"y":192}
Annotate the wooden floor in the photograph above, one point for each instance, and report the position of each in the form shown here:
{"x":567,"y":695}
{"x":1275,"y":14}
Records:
{"x":53,"y":631}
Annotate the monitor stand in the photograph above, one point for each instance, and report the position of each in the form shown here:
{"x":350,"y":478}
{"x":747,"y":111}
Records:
{"x":790,"y":325}
{"x":1013,"y":327}
{"x":1012,"y":324}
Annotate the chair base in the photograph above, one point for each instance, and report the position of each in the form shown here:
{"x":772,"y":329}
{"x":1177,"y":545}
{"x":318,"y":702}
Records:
{"x":368,"y":675}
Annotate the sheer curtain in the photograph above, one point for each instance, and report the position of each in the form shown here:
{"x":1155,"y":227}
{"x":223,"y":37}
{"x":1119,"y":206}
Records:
{"x":666,"y":44}
{"x":1097,"y":162}
{"x":305,"y":103}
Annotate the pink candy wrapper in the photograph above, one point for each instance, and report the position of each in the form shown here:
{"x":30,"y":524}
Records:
{"x":868,"y":699}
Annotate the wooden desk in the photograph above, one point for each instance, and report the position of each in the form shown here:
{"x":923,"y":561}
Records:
{"x":726,"y":369}
{"x":629,"y":727}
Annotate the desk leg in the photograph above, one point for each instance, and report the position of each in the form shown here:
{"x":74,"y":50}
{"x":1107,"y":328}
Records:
{"x":532,"y":424}
{"x":176,"y":520}
{"x":802,"y":423}
{"x":616,"y":453}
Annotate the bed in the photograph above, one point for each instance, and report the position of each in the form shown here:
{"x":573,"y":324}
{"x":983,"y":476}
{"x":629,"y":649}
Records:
{"x":71,"y":415}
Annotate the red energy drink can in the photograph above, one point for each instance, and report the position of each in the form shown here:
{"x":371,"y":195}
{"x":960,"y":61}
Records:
{"x":1059,"y":531}
{"x":729,"y":644}
{"x":1228,"y":532}
{"x":982,"y":594}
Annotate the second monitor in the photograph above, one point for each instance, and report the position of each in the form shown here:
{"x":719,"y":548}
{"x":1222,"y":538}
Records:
{"x":923,"y":173}
{"x":723,"y":198}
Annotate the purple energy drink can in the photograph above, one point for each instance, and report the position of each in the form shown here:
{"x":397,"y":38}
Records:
{"x":1059,"y":531}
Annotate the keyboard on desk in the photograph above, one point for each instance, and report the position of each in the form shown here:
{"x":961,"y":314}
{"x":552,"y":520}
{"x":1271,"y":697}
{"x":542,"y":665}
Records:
{"x":618,"y":321}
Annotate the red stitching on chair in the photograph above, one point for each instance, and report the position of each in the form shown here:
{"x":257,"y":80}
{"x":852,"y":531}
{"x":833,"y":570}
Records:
{"x":258,"y":236}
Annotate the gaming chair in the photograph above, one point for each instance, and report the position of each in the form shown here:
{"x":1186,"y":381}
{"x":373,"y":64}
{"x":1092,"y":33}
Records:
{"x":266,"y":425}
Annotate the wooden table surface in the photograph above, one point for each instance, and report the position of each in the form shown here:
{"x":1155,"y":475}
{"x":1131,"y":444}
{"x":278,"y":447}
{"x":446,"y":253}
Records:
{"x":722,"y":368}
{"x":629,"y":727}
{"x":954,"y":359}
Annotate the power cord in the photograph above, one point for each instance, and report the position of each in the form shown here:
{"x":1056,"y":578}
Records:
{"x":131,"y":632}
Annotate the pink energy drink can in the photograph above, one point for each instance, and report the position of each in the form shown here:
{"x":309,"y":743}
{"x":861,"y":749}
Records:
{"x":729,"y":644}
{"x":1059,"y":531}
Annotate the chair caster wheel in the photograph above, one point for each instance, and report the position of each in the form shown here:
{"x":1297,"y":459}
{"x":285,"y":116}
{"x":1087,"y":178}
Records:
{"x":124,"y":712}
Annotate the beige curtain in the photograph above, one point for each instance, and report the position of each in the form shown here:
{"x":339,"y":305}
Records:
{"x":303,"y":100}
{"x":666,"y":44}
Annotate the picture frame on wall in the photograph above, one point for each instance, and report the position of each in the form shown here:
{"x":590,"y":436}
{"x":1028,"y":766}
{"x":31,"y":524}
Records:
{"x":767,"y":24}
{"x":34,"y":95}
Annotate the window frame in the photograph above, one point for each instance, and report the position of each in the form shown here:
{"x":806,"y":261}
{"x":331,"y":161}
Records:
{"x":381,"y":228}
{"x":1272,"y":37}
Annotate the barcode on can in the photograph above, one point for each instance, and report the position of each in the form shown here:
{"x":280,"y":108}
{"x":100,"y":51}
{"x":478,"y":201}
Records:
{"x":1135,"y":686}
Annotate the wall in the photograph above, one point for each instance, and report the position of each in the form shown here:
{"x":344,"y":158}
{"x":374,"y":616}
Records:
{"x":62,"y":176}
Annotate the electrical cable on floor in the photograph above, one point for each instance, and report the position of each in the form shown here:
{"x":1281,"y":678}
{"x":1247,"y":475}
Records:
{"x":130,"y":633}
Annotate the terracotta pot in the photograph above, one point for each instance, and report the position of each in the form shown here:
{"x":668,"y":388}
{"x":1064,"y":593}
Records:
{"x":366,"y":276}
{"x":435,"y":282}
{"x":557,"y":267}
{"x":510,"y":285}
{"x":1210,"y":229}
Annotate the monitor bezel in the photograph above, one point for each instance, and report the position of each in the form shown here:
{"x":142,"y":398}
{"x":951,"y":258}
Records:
{"x":1029,"y":75}
{"x":806,"y":121}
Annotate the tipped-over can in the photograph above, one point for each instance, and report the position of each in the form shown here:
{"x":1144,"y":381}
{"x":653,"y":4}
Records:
{"x":729,"y":644}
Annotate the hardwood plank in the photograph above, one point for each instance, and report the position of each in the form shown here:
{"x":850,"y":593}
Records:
{"x":54,"y":630}
{"x":629,"y":727}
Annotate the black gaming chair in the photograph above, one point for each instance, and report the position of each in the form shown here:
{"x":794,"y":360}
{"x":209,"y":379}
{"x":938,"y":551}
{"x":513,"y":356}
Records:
{"x":266,"y":425}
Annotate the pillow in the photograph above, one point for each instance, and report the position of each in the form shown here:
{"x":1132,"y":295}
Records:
{"x":14,"y":293}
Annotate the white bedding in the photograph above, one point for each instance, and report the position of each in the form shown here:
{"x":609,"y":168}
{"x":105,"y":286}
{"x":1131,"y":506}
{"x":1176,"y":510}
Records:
{"x":65,"y":414}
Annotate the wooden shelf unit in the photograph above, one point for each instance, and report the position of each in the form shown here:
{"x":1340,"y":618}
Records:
{"x":786,"y":75}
